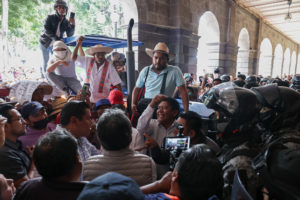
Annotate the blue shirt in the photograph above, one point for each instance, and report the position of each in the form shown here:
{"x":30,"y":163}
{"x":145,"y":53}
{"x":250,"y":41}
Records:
{"x":154,"y":81}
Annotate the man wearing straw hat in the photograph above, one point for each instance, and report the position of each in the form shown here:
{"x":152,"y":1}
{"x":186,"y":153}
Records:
{"x":160,"y":77}
{"x":100,"y":73}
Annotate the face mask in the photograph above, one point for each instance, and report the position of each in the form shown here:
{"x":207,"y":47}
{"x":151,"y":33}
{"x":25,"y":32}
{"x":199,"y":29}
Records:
{"x":60,"y":54}
{"x":190,"y":93}
{"x":40,"y":124}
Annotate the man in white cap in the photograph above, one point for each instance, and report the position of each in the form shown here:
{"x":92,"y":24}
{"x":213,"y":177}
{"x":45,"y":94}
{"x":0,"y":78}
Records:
{"x":153,"y":76}
{"x":61,"y":68}
{"x":100,"y":73}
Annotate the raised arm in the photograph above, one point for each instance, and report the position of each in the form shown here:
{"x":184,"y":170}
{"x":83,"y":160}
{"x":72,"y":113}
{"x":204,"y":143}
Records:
{"x":52,"y":67}
{"x":134,"y":103}
{"x":184,"y":96}
{"x":78,"y":45}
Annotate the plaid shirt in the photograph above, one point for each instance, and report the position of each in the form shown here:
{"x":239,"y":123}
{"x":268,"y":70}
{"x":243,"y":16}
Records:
{"x":85,"y":148}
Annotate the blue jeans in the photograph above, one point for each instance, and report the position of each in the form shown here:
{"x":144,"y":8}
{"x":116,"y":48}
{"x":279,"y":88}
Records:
{"x":45,"y":52}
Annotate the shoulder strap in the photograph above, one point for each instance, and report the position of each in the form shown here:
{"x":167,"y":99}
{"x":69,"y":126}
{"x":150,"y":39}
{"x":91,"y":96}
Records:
{"x":147,"y":75}
{"x":163,"y":86}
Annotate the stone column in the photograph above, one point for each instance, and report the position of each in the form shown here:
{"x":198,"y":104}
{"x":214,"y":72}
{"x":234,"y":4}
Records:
{"x":228,"y":57}
{"x":252,"y":62}
{"x":184,"y":43}
{"x":150,"y":35}
{"x":281,"y":68}
{"x":181,"y":42}
{"x":272,"y":65}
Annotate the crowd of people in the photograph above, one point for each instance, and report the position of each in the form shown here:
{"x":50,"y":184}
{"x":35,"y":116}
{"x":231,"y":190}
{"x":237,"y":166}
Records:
{"x":62,"y":140}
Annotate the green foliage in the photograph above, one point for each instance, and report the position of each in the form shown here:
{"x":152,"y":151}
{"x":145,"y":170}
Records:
{"x":26,"y":18}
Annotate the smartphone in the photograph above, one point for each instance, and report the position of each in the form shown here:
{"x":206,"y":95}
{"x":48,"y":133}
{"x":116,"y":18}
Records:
{"x":72,"y":15}
{"x":84,"y":91}
{"x":172,"y":143}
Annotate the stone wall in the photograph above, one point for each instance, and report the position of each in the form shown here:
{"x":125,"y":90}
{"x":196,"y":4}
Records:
{"x":176,"y":22}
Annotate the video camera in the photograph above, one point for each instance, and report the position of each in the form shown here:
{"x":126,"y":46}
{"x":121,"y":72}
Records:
{"x":176,"y":145}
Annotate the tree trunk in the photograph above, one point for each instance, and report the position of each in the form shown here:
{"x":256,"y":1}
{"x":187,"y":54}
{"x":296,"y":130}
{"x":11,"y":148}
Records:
{"x":5,"y":56}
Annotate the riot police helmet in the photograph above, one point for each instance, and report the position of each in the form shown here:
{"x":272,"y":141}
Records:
{"x":237,"y":109}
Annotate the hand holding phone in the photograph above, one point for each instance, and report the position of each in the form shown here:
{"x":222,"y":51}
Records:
{"x":84,"y":91}
{"x":72,"y":20}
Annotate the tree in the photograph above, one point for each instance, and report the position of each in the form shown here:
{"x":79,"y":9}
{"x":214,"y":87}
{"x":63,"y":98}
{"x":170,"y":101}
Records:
{"x":22,"y":21}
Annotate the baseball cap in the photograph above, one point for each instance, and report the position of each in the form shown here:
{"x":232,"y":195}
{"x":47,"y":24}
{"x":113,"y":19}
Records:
{"x":111,"y":186}
{"x":116,"y":97}
{"x":31,"y":108}
{"x":102,"y":102}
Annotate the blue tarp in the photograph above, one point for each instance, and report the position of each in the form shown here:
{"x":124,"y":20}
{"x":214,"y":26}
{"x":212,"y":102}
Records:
{"x":91,"y":40}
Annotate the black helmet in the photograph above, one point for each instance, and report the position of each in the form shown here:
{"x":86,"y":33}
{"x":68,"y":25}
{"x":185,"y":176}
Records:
{"x":283,"y":104}
{"x":279,"y":172}
{"x":239,"y":83}
{"x":251,"y":81}
{"x":296,"y":82}
{"x":242,"y":76}
{"x":225,"y":78}
{"x":238,"y":111}
{"x":61,"y":3}
{"x":262,"y":81}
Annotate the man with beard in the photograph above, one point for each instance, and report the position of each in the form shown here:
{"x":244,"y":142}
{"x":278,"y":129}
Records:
{"x":160,"y":77}
{"x":15,"y":162}
{"x":36,"y":118}
{"x":100,"y":73}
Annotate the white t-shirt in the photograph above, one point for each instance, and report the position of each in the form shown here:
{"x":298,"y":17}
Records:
{"x":65,"y":71}
{"x":111,"y":77}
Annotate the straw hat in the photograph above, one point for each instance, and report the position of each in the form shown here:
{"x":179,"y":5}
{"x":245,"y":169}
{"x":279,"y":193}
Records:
{"x":160,"y":47}
{"x":57,"y":105}
{"x":98,"y":48}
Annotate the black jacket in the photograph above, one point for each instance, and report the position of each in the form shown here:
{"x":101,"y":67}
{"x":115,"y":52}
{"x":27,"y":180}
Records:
{"x":50,"y":27}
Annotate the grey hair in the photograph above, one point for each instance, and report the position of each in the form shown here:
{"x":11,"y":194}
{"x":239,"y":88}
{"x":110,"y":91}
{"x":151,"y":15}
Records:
{"x":114,"y":129}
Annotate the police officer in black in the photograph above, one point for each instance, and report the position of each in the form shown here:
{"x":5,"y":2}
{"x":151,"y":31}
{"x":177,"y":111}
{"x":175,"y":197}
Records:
{"x":237,"y":111}
{"x":55,"y":26}
{"x":279,"y":115}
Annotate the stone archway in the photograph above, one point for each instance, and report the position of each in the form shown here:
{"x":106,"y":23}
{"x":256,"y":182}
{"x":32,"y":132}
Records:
{"x":265,"y":59}
{"x":286,"y":62}
{"x":209,"y":44}
{"x":293,"y":64}
{"x":278,"y":58}
{"x":243,"y":52}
